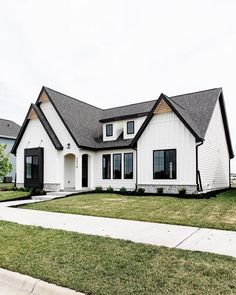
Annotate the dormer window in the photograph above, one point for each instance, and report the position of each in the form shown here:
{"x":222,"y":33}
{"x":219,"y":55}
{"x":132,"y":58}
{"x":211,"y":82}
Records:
{"x":109,"y":130}
{"x":130,"y":127}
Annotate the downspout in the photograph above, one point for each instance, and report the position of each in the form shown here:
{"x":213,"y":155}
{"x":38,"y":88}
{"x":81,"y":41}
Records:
{"x":136,"y":166}
{"x":229,"y":175}
{"x":199,"y":189}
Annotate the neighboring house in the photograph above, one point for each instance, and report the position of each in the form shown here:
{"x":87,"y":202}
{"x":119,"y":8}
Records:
{"x":170,"y":142}
{"x":8,"y":133}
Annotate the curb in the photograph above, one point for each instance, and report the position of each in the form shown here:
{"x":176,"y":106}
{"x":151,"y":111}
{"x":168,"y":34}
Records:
{"x":32,"y":286}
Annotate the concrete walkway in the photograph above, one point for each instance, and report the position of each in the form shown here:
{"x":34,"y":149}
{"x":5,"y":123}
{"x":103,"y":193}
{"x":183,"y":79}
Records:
{"x":173,"y":236}
{"x":12,"y":283}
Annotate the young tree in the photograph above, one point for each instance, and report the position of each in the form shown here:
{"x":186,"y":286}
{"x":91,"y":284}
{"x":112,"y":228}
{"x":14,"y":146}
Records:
{"x":5,"y":164}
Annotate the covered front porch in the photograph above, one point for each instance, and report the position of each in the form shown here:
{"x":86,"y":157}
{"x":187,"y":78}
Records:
{"x":77,"y":176}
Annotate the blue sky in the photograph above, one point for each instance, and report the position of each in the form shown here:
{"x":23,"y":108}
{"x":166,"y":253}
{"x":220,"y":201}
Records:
{"x":111,"y":53}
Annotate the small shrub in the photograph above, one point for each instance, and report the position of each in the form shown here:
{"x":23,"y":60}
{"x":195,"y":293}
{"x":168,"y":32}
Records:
{"x":37,"y":192}
{"x":98,"y":189}
{"x":123,"y":190}
{"x":182,"y":191}
{"x":160,"y":190}
{"x":110,"y":189}
{"x":141,"y":191}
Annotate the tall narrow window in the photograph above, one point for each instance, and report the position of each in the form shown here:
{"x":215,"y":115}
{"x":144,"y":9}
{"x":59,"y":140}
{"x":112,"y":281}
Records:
{"x":28,"y":167}
{"x":106,"y":166}
{"x":130,"y":127}
{"x":109,"y":130}
{"x":128,"y":166}
{"x":117,"y":166}
{"x":164,"y":164}
{"x":32,"y":167}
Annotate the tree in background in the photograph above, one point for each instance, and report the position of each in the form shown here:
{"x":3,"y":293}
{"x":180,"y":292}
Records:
{"x":5,"y":163}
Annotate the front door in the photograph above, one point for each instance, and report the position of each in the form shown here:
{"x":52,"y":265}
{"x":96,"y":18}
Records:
{"x":34,"y":168}
{"x":84,"y":170}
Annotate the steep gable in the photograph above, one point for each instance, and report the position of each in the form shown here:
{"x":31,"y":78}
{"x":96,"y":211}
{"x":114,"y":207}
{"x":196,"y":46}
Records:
{"x":35,"y":112}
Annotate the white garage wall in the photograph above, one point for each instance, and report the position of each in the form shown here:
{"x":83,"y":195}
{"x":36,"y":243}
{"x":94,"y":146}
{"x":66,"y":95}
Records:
{"x":166,"y":131}
{"x":214,"y":155}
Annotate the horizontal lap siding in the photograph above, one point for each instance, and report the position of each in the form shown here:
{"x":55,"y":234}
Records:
{"x":213,"y":155}
{"x":166,"y":131}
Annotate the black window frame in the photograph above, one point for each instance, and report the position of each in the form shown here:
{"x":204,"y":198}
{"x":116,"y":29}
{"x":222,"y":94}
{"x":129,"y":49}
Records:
{"x":36,"y":179}
{"x":109,"y":168}
{"x":165,"y":150}
{"x":107,"y":134}
{"x":113,"y":172}
{"x":130,"y":122}
{"x":125,"y":177}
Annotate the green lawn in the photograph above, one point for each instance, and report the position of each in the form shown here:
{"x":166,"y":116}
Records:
{"x":217,"y":212}
{"x":12,"y":195}
{"x":6,"y":186}
{"x":98,"y":265}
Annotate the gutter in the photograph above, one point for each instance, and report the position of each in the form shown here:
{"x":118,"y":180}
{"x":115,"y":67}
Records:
{"x":136,"y":172}
{"x":198,"y":175}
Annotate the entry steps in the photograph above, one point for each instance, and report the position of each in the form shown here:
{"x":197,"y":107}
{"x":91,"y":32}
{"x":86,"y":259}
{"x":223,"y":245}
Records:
{"x":55,"y":195}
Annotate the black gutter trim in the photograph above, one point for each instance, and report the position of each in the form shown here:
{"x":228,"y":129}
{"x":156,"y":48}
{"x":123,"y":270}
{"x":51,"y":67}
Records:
{"x":104,"y":148}
{"x":46,"y":126}
{"x":198,"y":175}
{"x":124,"y":117}
{"x":21,"y":132}
{"x":59,"y":114}
{"x":226,"y":126}
{"x":149,"y":117}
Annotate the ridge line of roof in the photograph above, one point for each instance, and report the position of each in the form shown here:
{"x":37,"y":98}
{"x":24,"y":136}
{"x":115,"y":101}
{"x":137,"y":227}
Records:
{"x":126,"y":105}
{"x":73,"y":98}
{"x":219,"y":88}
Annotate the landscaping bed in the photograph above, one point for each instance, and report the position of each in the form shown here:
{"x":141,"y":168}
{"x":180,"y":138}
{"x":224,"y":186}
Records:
{"x":216,"y":212}
{"x":101,"y":266}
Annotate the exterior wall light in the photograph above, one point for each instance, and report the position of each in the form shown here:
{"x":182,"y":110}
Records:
{"x":68,"y":146}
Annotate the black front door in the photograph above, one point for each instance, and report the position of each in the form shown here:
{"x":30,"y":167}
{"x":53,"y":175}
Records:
{"x":84,"y":170}
{"x":34,"y":168}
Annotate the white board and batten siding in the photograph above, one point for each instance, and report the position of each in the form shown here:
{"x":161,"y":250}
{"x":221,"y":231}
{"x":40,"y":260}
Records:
{"x":166,"y":131}
{"x":36,"y":136}
{"x":114,"y":183}
{"x":213,"y":155}
{"x":121,"y":126}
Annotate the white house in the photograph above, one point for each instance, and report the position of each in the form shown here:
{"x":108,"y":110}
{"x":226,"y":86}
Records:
{"x":171,"y":142}
{"x":8,"y":133}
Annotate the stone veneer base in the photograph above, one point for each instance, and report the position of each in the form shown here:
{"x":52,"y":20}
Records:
{"x":169,"y":189}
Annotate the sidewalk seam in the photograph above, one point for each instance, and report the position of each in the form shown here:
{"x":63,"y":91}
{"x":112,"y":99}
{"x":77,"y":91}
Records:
{"x":187,"y":238}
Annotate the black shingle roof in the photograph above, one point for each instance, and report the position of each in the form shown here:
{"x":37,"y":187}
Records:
{"x":197,"y":108}
{"x":8,"y":128}
{"x":84,"y":121}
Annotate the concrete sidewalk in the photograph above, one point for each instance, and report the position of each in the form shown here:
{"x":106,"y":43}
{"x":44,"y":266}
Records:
{"x":13,"y":283}
{"x":173,"y":236}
